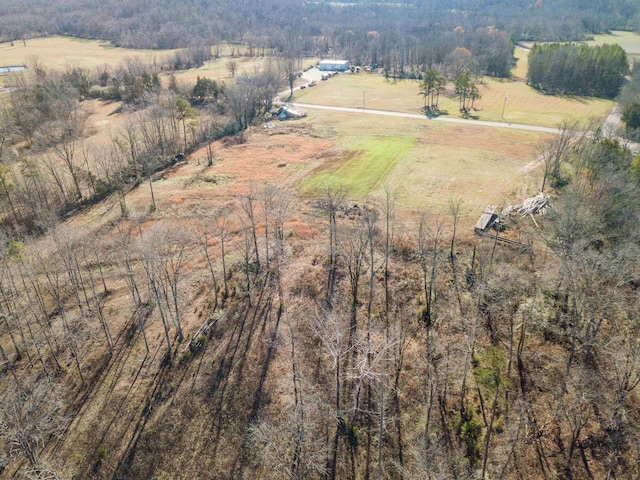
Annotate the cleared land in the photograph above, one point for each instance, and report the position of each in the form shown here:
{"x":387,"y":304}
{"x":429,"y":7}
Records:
{"x":64,"y":52}
{"x":426,"y":164}
{"x":629,"y":41}
{"x":218,"y":68}
{"x":524,"y":104}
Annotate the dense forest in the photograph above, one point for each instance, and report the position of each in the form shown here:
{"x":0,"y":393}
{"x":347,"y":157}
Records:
{"x":569,"y":69}
{"x":320,"y":26}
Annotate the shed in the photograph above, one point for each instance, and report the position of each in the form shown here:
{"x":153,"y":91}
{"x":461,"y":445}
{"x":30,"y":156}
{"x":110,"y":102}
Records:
{"x":334,"y":65}
{"x":486,"y":220}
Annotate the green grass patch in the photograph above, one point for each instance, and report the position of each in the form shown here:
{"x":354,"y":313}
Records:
{"x":629,"y":41}
{"x":367,"y":165}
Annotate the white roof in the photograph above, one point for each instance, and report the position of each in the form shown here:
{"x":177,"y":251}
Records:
{"x":334,"y":62}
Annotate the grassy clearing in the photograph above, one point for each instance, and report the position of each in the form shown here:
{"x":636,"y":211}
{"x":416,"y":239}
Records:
{"x":524,"y":104}
{"x":629,"y":41}
{"x":363,"y":168}
{"x":217,"y":68}
{"x":522,"y":64}
{"x":65,"y":52}
{"x":427,"y":164}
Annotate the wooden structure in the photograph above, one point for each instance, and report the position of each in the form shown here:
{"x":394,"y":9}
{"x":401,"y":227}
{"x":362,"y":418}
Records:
{"x":486,"y":220}
{"x":490,"y":220}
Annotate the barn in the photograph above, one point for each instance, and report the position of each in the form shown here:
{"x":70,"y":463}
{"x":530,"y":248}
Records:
{"x":334,"y":65}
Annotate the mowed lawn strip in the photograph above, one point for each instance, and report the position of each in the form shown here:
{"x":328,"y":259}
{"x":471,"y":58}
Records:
{"x":365,"y":167}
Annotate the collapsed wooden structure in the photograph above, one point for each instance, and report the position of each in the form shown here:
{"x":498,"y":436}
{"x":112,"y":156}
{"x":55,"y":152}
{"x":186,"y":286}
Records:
{"x":490,"y":220}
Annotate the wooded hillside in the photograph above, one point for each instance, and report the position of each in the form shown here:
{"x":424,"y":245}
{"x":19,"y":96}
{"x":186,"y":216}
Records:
{"x":251,"y":332}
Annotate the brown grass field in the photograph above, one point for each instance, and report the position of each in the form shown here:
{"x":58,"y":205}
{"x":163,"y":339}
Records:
{"x":432,"y":163}
{"x":65,"y":52}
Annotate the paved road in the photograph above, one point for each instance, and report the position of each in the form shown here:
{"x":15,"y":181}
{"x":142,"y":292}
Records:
{"x":514,"y":126}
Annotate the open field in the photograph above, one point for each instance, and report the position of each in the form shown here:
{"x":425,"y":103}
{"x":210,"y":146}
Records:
{"x":524,"y":104}
{"x":629,"y":41}
{"x":64,"y":52}
{"x":363,"y":168}
{"x":425,"y":164}
{"x":217,"y":68}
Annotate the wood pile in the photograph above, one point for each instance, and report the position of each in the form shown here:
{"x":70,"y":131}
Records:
{"x":538,"y":204}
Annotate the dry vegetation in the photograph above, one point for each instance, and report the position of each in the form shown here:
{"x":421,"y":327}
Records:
{"x":65,"y":52}
{"x":254,"y":320}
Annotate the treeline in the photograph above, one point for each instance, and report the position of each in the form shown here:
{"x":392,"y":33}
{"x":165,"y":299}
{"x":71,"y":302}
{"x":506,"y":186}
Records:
{"x":366,"y":32}
{"x":486,"y":51}
{"x":577,"y":69}
{"x":167,"y":24}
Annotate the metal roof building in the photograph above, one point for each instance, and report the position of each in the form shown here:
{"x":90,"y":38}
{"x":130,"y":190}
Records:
{"x":333,"y":65}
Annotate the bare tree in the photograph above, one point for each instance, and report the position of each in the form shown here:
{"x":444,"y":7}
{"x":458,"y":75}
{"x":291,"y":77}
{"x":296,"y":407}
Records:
{"x":331,"y":204}
{"x":554,"y":154}
{"x":28,"y":419}
{"x":124,"y":246}
{"x":62,"y":137}
{"x":232,"y":66}
{"x":291,"y":63}
{"x":248,"y":202}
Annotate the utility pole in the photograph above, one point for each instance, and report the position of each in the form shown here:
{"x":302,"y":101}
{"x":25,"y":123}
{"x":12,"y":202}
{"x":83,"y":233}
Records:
{"x":504,"y":105}
{"x":363,"y":99}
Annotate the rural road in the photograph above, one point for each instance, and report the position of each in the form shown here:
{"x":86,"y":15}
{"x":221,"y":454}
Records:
{"x":610,"y":123}
{"x":315,"y":74}
{"x":514,"y":126}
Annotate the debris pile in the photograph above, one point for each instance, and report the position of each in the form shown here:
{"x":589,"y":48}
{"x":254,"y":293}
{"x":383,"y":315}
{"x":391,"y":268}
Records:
{"x":538,"y":204}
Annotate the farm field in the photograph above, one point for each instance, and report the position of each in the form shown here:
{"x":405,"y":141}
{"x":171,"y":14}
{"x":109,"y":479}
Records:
{"x":629,"y":41}
{"x":524,"y":105}
{"x":64,"y":52}
{"x":426,"y":164}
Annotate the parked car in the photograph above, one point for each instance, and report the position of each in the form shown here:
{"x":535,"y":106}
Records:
{"x":302,"y":87}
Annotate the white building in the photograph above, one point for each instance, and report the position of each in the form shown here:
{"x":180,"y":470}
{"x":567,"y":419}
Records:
{"x":333,"y":65}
